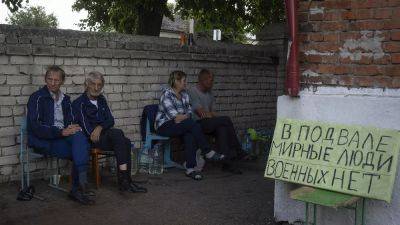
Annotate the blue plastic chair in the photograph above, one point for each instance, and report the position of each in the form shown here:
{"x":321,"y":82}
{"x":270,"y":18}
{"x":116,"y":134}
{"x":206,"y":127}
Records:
{"x":149,"y":135}
{"x":26,"y":154}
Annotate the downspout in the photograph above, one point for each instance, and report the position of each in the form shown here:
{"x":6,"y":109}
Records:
{"x":292,"y":65}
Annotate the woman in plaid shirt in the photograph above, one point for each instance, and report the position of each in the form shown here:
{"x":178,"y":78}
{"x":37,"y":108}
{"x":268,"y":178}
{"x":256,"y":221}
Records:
{"x":174,"y":119}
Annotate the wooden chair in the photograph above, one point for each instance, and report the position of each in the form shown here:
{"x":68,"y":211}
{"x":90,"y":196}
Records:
{"x":98,"y":154}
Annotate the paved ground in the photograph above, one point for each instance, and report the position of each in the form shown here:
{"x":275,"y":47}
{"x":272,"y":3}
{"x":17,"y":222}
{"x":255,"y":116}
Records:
{"x":220,"y":198}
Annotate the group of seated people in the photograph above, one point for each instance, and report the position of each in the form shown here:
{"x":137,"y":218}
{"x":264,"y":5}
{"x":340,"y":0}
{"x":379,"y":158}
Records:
{"x":69,"y":130}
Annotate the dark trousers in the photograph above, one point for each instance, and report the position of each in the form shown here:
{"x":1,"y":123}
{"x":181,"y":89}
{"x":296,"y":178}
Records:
{"x":192,"y":135}
{"x":114,"y":140}
{"x":76,"y":148}
{"x":222,"y":128}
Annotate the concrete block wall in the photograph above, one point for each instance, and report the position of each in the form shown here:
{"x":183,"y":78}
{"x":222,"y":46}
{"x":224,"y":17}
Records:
{"x":135,"y":69}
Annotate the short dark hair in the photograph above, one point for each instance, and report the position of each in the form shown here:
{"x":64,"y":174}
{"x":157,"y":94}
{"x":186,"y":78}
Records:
{"x":203,"y":73}
{"x":175,"y":75}
{"x":56,"y":69}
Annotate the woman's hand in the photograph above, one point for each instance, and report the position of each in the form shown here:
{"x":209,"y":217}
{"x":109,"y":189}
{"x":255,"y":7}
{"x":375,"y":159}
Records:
{"x":179,"y":118}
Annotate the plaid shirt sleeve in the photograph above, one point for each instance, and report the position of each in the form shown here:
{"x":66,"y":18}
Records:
{"x":167,"y":103}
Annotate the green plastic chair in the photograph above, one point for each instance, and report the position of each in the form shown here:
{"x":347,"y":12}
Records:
{"x":314,"y":196}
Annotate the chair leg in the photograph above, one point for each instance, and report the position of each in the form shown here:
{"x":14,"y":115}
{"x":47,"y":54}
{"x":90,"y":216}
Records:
{"x":359,"y":212}
{"x":27,"y":167}
{"x":24,"y":165}
{"x":96,"y":171}
{"x":168,"y":163}
{"x":314,"y":214}
{"x":307,"y":212}
{"x":70,"y":175}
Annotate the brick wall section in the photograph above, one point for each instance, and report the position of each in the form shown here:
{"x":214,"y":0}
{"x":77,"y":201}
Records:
{"x":135,"y":68}
{"x":350,"y":43}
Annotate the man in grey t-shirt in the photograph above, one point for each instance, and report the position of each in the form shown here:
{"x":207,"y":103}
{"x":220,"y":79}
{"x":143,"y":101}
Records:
{"x":221,"y":127}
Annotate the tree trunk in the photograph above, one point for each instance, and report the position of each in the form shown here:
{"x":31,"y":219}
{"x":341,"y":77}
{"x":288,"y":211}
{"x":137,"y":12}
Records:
{"x":149,"y":21}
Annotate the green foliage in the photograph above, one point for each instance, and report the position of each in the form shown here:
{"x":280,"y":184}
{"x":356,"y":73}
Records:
{"x":125,"y":16}
{"x":34,"y":16}
{"x":234,"y":18}
{"x":13,"y":5}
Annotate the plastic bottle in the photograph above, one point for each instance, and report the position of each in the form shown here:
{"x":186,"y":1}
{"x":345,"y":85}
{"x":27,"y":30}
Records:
{"x":156,"y":162}
{"x":134,"y":161}
{"x":144,"y":161}
{"x":246,"y":144}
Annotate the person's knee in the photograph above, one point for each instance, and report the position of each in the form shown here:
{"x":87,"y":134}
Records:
{"x":117,"y":132}
{"x":189,"y":124}
{"x":80,"y":136}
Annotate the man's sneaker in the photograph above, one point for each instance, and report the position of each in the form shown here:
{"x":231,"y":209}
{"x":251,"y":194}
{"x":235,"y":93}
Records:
{"x":215,"y":157}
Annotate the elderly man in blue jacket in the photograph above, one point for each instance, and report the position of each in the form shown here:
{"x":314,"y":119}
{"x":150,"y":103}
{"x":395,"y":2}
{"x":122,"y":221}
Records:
{"x":52,"y":129}
{"x":97,"y":122}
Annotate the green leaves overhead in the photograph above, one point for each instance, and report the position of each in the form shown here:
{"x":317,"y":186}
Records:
{"x":34,"y":16}
{"x":125,"y":16}
{"x":13,"y":5}
{"x":234,"y":17}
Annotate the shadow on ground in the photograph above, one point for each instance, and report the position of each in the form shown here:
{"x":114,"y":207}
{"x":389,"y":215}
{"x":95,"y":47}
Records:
{"x":221,"y":198}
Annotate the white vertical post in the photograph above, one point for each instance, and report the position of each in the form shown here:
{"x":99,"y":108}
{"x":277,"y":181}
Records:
{"x":191,"y":26}
{"x":191,"y":30}
{"x":216,"y":34}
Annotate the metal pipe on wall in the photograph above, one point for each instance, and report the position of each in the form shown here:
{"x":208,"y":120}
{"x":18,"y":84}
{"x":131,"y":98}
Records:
{"x":292,"y":81}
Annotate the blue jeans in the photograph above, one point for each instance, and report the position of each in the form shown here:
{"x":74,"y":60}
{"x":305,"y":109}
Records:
{"x":76,"y":148}
{"x":192,"y":136}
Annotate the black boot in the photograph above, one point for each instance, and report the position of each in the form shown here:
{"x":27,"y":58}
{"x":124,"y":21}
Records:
{"x":125,"y":183}
{"x":81,"y":196}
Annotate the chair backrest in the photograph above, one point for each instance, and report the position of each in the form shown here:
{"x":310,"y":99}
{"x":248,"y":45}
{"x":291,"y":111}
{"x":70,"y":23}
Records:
{"x":23,"y":125}
{"x":22,"y":132}
{"x":35,"y":153}
{"x":148,"y":119}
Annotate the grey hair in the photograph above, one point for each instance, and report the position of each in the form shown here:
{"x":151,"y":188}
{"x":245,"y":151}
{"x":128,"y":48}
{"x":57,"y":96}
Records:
{"x":94,"y":75}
